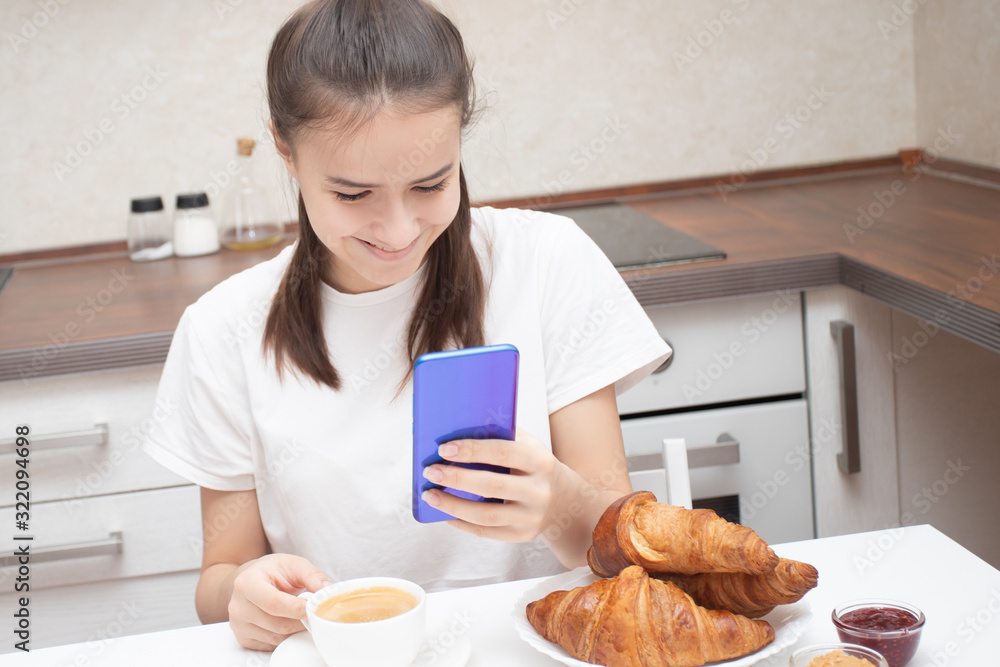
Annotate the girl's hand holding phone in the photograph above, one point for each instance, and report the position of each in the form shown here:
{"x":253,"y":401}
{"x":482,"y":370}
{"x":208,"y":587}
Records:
{"x":264,"y":609}
{"x":529,"y":492}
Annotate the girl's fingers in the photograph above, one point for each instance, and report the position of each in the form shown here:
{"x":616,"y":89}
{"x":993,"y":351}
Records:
{"x":270,"y":585}
{"x":257,"y":587}
{"x":247,"y":612}
{"x":252,"y":644}
{"x":485,"y":483}
{"x":477,"y":512}
{"x":263,"y":609}
{"x":255,"y":637}
{"x":527,"y":490}
{"x":526,"y":455}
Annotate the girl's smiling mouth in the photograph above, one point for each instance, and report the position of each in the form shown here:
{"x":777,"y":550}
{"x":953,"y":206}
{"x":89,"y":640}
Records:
{"x":388,"y":255}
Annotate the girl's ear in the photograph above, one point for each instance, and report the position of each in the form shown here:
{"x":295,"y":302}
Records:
{"x":284,"y":150}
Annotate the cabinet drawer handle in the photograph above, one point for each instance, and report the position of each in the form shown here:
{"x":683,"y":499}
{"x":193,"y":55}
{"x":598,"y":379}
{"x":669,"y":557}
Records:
{"x":110,"y":546}
{"x":91,"y":437}
{"x":666,"y":364}
{"x":725,"y":451}
{"x":849,"y":459}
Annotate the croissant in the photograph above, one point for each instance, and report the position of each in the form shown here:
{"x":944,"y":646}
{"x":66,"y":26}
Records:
{"x":637,"y":530}
{"x":635,"y":621}
{"x":751,"y":595}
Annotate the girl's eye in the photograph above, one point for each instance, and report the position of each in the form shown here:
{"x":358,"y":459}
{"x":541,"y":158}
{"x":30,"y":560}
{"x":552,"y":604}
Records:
{"x":361,"y":195}
{"x":432,"y":188}
{"x":342,"y":197}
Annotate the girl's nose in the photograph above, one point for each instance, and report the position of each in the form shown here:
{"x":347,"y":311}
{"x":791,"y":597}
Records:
{"x":397,"y":227}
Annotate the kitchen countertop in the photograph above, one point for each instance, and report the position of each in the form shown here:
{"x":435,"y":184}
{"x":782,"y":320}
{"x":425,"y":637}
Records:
{"x":958,"y":593}
{"x":929,"y":246}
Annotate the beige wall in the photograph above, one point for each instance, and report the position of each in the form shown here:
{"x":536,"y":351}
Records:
{"x":958,"y":77}
{"x":560,"y":75}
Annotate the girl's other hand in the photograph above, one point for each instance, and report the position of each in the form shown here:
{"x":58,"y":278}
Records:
{"x":264,"y":608}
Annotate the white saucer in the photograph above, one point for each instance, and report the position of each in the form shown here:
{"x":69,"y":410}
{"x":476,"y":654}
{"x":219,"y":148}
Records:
{"x":447,"y":645}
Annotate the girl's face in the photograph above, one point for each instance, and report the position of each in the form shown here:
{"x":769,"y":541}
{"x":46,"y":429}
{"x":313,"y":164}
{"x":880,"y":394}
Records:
{"x":379,"y":198}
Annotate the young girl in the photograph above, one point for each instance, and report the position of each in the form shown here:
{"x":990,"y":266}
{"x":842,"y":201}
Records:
{"x":293,"y":378}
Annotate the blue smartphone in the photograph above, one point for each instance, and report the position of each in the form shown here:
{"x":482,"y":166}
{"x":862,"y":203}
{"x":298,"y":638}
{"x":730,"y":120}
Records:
{"x":460,"y":394}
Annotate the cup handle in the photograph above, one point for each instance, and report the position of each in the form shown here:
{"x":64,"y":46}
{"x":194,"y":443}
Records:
{"x":305,"y":619}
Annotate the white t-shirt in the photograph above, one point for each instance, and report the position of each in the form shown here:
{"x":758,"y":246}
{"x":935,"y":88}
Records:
{"x":332,"y":469}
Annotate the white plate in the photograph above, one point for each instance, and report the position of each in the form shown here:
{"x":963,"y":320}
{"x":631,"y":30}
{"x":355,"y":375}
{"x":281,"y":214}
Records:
{"x":789,"y":622}
{"x":445,"y":646}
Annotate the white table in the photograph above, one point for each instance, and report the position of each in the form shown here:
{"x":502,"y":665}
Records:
{"x":958,"y":592}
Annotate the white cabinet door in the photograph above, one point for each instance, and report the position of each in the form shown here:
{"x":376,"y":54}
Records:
{"x":110,"y":537}
{"x":724,"y":350}
{"x":772,"y":477}
{"x":124,"y":399}
{"x":91,"y":614}
{"x":869,"y":499}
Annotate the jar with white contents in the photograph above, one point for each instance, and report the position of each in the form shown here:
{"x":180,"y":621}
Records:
{"x":195,"y":230}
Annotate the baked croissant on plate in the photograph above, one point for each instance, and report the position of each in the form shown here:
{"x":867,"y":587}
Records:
{"x":637,"y":530}
{"x":635,"y":621}
{"x":751,"y":595}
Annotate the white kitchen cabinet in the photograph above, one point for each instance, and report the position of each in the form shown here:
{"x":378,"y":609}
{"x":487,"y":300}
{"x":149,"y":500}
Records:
{"x":867,"y":499}
{"x":724,"y":350}
{"x":122,"y":399}
{"x":91,"y":614}
{"x":112,"y":537}
{"x":109,"y":566}
{"x":734,"y":391}
{"x":117,"y":537}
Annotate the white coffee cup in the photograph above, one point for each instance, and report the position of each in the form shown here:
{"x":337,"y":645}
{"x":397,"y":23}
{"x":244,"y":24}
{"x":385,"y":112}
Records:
{"x":390,"y":642}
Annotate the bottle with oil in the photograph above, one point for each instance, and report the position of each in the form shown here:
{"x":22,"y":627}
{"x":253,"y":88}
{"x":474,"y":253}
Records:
{"x":246,"y":222}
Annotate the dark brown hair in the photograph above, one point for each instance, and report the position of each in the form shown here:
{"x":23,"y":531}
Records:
{"x":335,"y":64}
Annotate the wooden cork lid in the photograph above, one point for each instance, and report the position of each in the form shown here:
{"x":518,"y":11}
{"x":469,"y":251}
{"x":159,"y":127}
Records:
{"x":244,"y":146}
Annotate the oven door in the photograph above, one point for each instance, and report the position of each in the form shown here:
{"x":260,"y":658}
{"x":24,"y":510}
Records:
{"x":751,"y":464}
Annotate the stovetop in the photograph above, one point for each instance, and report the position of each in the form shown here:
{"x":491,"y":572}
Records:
{"x":632,"y":240}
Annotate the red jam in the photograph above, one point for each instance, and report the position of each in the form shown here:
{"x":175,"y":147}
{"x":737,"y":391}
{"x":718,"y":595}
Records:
{"x":891,"y":631}
{"x":884,"y":619}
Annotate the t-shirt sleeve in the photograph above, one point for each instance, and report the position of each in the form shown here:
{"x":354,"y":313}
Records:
{"x":202,"y":415}
{"x":594,"y":331}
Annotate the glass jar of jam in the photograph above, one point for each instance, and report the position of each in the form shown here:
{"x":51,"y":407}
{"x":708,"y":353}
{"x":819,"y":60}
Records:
{"x":889,"y":627}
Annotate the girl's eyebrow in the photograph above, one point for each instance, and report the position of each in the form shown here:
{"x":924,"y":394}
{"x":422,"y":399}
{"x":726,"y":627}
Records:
{"x":335,"y":180}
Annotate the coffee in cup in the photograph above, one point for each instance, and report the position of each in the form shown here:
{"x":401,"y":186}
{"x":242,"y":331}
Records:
{"x":370,"y":622}
{"x":364,"y":605}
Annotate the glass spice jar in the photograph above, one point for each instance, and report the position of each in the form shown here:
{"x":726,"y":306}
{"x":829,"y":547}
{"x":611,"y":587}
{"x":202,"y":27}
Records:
{"x":195,"y":230}
{"x":149,"y":233}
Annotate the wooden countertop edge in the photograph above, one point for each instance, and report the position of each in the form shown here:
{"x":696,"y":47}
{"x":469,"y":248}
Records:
{"x":934,"y":309}
{"x":651,"y":287}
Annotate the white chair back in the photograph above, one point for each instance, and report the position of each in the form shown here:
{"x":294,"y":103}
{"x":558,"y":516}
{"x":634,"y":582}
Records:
{"x":675,"y":466}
